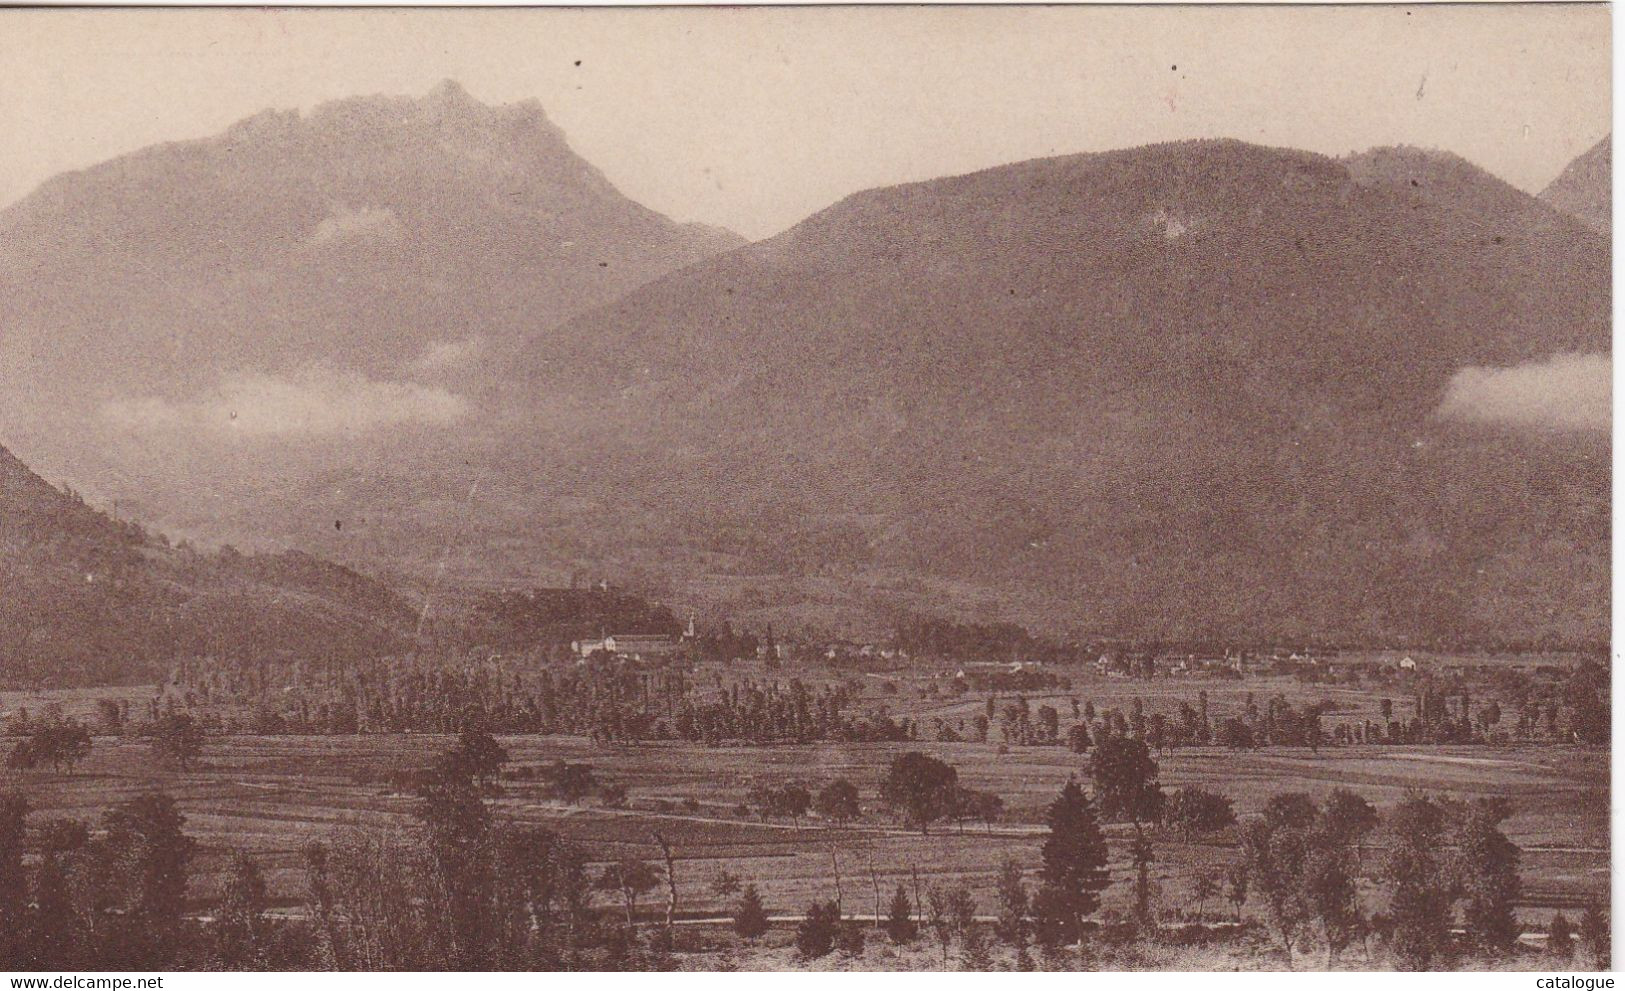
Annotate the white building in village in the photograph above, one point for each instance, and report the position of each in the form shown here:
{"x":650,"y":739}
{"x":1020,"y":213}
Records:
{"x":633,"y":645}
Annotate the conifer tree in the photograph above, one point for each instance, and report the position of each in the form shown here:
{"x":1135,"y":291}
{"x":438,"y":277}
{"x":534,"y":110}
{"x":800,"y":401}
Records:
{"x":1560,"y":937}
{"x":1073,"y":872}
{"x":750,"y":918}
{"x":13,"y":882}
{"x":1487,"y":871}
{"x":900,"y":925}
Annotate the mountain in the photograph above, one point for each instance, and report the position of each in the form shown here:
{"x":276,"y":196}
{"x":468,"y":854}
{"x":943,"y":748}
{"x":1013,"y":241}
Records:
{"x":373,"y":252}
{"x":1585,"y":187}
{"x":1189,"y":389}
{"x":93,"y":600}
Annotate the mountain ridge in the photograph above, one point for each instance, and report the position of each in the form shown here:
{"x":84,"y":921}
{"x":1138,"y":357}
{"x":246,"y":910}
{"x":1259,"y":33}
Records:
{"x":94,"y":600}
{"x":1584,"y":189}
{"x":1197,"y":296}
{"x":1185,"y":390}
{"x":343,"y":235}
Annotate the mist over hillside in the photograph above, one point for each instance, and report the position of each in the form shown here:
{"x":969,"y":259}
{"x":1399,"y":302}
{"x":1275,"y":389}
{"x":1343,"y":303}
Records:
{"x":1193,"y":389}
{"x":338,"y":275}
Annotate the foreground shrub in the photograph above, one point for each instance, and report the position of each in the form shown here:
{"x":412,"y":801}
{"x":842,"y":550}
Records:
{"x":850,"y":939}
{"x":815,"y":937}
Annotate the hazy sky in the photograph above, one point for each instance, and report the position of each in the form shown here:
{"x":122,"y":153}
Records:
{"x":756,"y":118}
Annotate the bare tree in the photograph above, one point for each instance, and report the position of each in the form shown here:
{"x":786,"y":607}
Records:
{"x":671,"y":880}
{"x":875,"y":877}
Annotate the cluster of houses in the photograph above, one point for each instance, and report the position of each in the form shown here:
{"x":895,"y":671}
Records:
{"x":1316,"y":663}
{"x":658,"y":646}
{"x":636,"y":646}
{"x":1110,"y":663}
{"x":1233,"y":662}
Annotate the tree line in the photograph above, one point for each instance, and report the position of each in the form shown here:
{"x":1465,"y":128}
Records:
{"x":466,"y":889}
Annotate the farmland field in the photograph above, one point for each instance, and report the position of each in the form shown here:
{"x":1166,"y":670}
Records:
{"x":271,"y":795}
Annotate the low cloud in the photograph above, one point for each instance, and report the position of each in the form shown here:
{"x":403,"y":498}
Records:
{"x":1565,"y":392}
{"x":449,"y":356}
{"x":314,"y":403}
{"x":344,"y":224}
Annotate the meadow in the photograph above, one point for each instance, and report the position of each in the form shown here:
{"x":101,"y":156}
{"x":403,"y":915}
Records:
{"x":272,"y":795}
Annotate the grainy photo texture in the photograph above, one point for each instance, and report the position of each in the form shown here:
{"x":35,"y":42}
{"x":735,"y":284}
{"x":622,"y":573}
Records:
{"x":770,"y":489}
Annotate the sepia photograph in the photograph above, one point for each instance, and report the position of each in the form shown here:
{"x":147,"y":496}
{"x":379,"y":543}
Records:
{"x":882,"y":488}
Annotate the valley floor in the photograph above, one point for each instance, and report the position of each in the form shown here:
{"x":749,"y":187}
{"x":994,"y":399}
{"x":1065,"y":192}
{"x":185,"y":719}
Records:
{"x":270,"y":796}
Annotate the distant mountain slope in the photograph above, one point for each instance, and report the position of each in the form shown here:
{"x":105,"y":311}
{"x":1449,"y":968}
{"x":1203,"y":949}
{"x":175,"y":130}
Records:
{"x":88,"y":599}
{"x":1195,"y":389}
{"x":1585,"y":187}
{"x":1180,"y":389}
{"x":390,"y":237}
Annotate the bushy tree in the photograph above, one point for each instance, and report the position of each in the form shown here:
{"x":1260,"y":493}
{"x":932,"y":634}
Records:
{"x":460,"y":843}
{"x":988,"y":807}
{"x":1236,"y":735}
{"x":1299,"y":858}
{"x":1291,"y":810}
{"x":60,"y":744}
{"x":1349,"y":815}
{"x":14,"y":810}
{"x":1486,"y":869}
{"x":919,"y":787}
{"x":1014,"y":905}
{"x":838,"y":801}
{"x":790,"y":801}
{"x":1237,"y":883}
{"x":1275,"y":856}
{"x":240,"y":930}
{"x":1329,"y":890}
{"x":1595,"y":936}
{"x":1125,"y":778}
{"x":177,"y":739}
{"x":850,"y":938}
{"x":56,"y":937}
{"x":815,"y":936}
{"x":1421,"y":889}
{"x":146,"y":855}
{"x":793,"y":801}
{"x":1195,"y":811}
{"x":631,"y":879}
{"x":571,"y":782}
{"x":476,"y":756}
